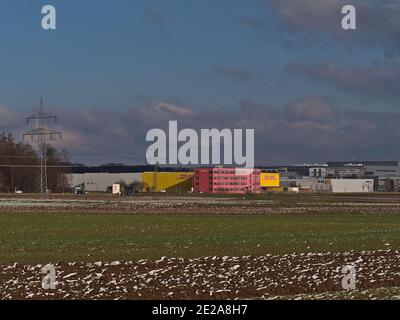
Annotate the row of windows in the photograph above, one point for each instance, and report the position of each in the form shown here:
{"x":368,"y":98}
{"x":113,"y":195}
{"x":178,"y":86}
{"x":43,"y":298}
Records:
{"x":226,"y":184}
{"x":224,"y":189}
{"x":223,"y":172}
{"x":227,"y":178}
{"x":232,"y":189}
{"x":242,"y":178}
{"x":246,"y":183}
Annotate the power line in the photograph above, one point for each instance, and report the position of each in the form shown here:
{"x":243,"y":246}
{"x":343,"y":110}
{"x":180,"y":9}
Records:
{"x":23,"y":157}
{"x":35,"y":166}
{"x":79,"y":156}
{"x":42,"y":134}
{"x":60,"y":166}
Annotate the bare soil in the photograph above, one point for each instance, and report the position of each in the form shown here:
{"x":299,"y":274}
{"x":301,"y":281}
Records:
{"x":206,"y":278}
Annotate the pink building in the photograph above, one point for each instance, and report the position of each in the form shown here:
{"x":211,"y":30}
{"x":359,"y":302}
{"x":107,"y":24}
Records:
{"x":227,"y":180}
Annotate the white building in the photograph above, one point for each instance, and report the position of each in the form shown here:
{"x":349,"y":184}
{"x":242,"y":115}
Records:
{"x":102,"y":182}
{"x":351,"y":185}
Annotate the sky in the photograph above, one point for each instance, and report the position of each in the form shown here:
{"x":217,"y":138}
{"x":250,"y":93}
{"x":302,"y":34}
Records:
{"x":113,"y":70}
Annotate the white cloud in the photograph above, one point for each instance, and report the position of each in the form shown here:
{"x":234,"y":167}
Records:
{"x":6,"y":116}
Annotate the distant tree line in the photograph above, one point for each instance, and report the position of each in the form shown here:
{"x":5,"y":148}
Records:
{"x":20,"y":167}
{"x":80,"y":168}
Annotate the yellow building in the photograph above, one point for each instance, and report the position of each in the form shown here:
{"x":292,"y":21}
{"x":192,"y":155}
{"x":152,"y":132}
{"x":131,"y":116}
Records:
{"x":269,"y":180}
{"x":177,"y":182}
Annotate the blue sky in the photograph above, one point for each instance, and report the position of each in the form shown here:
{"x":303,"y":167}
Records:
{"x":205,"y":55}
{"x":110,"y":52}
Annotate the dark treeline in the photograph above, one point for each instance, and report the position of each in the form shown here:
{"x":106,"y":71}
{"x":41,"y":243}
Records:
{"x":19,"y":167}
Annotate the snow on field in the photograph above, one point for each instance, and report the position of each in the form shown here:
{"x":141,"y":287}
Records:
{"x":299,"y":276}
{"x":190,"y":204}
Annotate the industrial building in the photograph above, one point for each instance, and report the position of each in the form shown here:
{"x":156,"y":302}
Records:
{"x":303,"y":184}
{"x":311,"y":184}
{"x":368,"y":168}
{"x":351,"y":185}
{"x":367,"y":176}
{"x":175,"y":182}
{"x":385,"y":174}
{"x":101,"y":178}
{"x":101,"y":182}
{"x":226,"y":180}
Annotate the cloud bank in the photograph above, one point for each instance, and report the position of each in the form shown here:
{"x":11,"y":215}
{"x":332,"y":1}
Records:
{"x":307,"y":129}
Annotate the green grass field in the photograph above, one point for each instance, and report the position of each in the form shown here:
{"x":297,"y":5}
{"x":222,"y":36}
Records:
{"x":44,"y":238}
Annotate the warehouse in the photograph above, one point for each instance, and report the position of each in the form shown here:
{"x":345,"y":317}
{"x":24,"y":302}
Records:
{"x":101,"y":182}
{"x":101,"y":178}
{"x":173,"y":182}
{"x":310,"y":184}
{"x":366,"y":168}
{"x":304,"y":184}
{"x":351,"y":185}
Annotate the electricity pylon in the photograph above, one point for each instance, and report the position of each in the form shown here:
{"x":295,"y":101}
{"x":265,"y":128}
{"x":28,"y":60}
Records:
{"x":40,"y":135}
